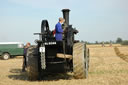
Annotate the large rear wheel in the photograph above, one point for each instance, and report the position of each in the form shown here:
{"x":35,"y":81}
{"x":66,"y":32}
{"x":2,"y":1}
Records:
{"x":80,"y":61}
{"x":32,"y":63}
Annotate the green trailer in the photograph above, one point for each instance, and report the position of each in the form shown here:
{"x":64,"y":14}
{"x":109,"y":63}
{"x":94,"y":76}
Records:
{"x":11,"y":49}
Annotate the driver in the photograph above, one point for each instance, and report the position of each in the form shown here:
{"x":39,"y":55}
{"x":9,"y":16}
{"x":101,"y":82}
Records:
{"x":58,"y":34}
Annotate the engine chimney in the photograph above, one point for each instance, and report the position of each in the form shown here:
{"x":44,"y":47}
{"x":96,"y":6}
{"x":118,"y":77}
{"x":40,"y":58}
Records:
{"x":66,"y":15}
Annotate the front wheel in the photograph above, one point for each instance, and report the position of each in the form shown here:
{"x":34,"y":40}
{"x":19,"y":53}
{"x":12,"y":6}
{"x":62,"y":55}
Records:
{"x":6,"y":56}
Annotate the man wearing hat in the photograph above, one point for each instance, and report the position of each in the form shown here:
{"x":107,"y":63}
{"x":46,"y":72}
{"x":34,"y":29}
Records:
{"x":59,"y":29}
{"x":58,"y":34}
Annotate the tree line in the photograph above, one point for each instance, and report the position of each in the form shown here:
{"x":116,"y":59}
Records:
{"x":118,"y":41}
{"x":121,"y":41}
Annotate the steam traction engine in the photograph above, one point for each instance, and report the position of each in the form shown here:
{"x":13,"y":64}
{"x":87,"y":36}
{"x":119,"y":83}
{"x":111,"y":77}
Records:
{"x":44,"y":57}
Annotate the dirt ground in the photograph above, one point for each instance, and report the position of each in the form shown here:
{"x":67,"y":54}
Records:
{"x":106,"y":68}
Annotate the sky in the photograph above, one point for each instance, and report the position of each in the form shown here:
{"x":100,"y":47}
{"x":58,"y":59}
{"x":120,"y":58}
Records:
{"x":96,"y":20}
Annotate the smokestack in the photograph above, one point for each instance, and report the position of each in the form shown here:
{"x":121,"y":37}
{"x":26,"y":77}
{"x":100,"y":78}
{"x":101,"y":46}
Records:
{"x":66,"y":15}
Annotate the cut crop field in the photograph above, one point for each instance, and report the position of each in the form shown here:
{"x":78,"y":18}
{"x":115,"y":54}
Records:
{"x":106,"y":68}
{"x":123,"y":50}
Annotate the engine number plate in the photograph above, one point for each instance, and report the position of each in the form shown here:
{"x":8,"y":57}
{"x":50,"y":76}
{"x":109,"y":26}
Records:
{"x":42,"y":49}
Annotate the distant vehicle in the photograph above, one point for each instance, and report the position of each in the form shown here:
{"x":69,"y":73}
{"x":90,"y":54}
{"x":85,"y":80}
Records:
{"x":10,"y":49}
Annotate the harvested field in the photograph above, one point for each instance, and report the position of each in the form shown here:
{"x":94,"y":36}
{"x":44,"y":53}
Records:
{"x":122,"y":52}
{"x":106,"y":68}
{"x":100,"y":45}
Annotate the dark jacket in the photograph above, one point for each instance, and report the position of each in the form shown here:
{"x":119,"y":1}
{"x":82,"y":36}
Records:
{"x":25,"y":51}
